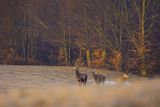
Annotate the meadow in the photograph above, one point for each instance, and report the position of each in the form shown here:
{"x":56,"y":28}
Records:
{"x":43,"y":86}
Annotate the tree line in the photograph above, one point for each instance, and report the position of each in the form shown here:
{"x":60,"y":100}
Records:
{"x":121,"y":35}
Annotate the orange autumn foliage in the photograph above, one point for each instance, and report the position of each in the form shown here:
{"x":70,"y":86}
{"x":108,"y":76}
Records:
{"x":98,"y":63}
{"x":97,"y":53}
{"x":98,"y":59}
{"x":116,"y":60}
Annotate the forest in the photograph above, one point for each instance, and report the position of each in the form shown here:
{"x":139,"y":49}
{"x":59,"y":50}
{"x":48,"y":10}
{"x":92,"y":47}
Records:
{"x":118,"y":35}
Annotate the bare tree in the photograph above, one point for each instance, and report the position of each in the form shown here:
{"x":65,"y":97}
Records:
{"x":143,"y":17}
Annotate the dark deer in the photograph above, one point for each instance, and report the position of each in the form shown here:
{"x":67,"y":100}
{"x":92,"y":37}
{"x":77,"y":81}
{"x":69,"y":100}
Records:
{"x":82,"y":78}
{"x":99,"y":78}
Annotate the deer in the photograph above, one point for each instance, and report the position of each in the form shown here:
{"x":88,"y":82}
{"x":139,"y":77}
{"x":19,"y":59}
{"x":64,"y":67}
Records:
{"x":123,"y":78}
{"x":99,"y":78}
{"x":81,"y":77}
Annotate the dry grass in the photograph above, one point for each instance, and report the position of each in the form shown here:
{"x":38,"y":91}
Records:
{"x":141,"y":94}
{"x":39,"y":86}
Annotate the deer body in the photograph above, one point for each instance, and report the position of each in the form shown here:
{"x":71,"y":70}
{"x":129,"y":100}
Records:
{"x":81,"y":78}
{"x":99,"y":78}
{"x":123,"y":78}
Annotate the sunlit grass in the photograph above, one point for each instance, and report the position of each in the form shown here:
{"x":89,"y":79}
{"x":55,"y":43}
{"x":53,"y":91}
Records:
{"x":39,"y":86}
{"x":139,"y":94}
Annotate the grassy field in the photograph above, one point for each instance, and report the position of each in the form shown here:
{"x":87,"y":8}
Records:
{"x":12,"y":77}
{"x":39,"y":86}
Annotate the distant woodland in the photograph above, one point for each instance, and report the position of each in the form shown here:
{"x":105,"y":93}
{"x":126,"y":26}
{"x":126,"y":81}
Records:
{"x":120,"y":35}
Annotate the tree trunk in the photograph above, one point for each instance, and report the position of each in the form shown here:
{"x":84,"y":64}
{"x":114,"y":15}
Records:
{"x":143,"y":62}
{"x":88,"y":55}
